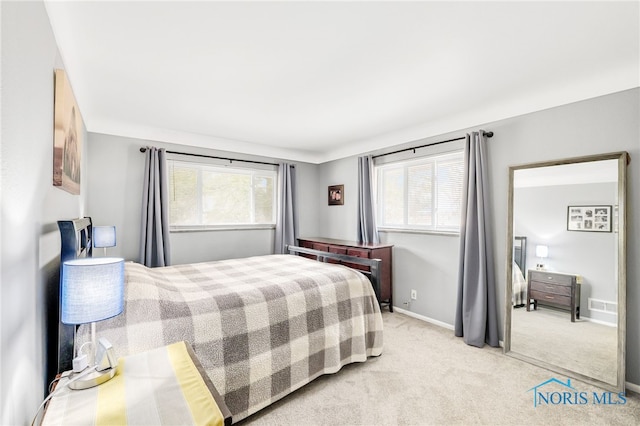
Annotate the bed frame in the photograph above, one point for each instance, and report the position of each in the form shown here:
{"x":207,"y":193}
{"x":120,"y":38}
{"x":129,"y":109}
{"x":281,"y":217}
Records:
{"x":520,"y":252}
{"x":374,"y":272}
{"x":520,"y":259}
{"x":76,"y":234}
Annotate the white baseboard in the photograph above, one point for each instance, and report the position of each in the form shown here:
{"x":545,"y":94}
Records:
{"x":629,"y":386}
{"x":595,"y":321}
{"x":632,"y":387}
{"x":423,"y":318}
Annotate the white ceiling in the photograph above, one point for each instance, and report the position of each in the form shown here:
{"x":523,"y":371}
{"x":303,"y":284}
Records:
{"x":317,"y":81}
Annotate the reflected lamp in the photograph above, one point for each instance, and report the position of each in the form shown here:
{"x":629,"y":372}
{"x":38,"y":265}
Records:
{"x":92,"y":290}
{"x":104,"y":236}
{"x":542,"y":252}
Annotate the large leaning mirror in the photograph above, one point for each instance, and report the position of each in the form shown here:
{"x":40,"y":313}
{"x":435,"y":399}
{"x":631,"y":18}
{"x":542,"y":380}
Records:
{"x":566,"y":266}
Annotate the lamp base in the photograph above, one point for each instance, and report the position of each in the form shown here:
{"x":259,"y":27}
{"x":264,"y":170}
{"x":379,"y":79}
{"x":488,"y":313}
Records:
{"x":94,"y":379}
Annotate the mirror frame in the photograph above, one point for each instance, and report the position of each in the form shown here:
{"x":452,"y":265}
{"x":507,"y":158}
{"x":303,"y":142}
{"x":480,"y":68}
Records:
{"x":623,"y":161}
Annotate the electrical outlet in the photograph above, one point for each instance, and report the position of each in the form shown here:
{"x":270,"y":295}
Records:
{"x":414,"y":294}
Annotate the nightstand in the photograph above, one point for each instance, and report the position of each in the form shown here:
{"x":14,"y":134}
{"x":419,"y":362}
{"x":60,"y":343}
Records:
{"x":554,"y":289}
{"x":166,"y":386}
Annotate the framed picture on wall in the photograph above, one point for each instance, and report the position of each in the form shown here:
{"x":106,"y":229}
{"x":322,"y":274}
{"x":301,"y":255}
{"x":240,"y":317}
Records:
{"x":67,"y":136}
{"x":589,"y":218}
{"x":336,"y":195}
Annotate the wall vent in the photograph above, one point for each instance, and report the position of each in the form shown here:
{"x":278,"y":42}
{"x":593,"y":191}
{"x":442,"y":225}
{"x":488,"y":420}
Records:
{"x":603,"y":306}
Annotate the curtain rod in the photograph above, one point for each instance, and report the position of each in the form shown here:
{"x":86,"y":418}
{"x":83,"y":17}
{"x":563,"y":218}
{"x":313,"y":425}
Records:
{"x":144,"y":149}
{"x":487,"y":134}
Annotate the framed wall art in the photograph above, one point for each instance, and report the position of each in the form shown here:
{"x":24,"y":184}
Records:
{"x":589,"y":218}
{"x":67,"y":136}
{"x":336,"y":195}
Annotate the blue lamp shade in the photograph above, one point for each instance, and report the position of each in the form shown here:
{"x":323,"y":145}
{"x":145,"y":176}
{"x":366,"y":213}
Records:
{"x":92,"y":289}
{"x":104,"y":236}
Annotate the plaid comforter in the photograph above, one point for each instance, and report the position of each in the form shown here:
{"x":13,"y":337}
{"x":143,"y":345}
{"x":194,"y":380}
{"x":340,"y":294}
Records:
{"x":262,"y":327}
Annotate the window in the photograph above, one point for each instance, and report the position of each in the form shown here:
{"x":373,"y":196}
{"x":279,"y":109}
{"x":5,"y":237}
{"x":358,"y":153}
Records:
{"x":422,"y":194}
{"x":204,"y":195}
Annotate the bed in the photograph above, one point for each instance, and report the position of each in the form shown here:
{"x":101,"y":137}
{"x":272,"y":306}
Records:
{"x":262,"y":326}
{"x":519,"y":283}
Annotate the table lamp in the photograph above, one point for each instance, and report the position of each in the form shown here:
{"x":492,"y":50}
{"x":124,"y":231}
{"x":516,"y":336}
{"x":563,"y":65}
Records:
{"x":542,"y":252}
{"x":103,"y":237}
{"x":93,"y":290}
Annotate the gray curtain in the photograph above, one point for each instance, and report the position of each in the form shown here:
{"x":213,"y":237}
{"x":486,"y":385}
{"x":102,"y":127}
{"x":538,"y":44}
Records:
{"x":476,"y":310}
{"x":286,"y":221}
{"x":367,"y":230}
{"x":154,"y":236}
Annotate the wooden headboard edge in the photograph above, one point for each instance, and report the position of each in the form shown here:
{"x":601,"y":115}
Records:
{"x":75,"y":242}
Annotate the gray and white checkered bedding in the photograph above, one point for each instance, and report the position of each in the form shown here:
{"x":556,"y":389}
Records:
{"x":262,"y":326}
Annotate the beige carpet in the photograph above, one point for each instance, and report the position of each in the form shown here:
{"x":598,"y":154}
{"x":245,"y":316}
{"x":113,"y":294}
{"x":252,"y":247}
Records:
{"x":426,"y":376}
{"x":582,"y":346}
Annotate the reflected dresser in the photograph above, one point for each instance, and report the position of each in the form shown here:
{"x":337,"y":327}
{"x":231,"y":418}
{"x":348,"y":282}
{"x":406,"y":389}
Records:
{"x":554,"y":289}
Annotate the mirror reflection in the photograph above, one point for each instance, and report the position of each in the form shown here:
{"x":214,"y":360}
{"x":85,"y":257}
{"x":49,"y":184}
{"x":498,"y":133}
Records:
{"x":564,"y":295}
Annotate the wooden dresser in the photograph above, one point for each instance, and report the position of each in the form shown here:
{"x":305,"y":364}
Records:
{"x":368,"y":251}
{"x":554,"y":289}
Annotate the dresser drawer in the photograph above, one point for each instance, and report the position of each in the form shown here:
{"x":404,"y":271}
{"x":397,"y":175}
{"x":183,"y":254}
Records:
{"x":543,"y":297}
{"x":338,"y":250}
{"x":358,"y":252}
{"x":320,"y":247}
{"x":309,"y":245}
{"x":549,"y":277}
{"x":546,"y":287}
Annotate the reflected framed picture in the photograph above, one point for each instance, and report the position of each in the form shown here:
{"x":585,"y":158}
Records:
{"x":589,"y":218}
{"x":336,"y":195}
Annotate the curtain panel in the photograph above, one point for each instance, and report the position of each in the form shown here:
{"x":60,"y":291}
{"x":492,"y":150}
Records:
{"x":155,"y":248}
{"x":367,"y":229}
{"x":286,"y":220}
{"x":476,"y":318}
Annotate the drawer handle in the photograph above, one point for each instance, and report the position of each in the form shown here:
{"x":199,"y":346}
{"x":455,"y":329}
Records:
{"x":550,"y":287}
{"x":549,"y":278}
{"x":548,"y":297}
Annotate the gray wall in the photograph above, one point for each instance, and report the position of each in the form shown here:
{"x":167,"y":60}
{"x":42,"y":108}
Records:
{"x":116,"y":200}
{"x":30,"y":242}
{"x":338,"y":221}
{"x":428,"y":263}
{"x":540,"y":214}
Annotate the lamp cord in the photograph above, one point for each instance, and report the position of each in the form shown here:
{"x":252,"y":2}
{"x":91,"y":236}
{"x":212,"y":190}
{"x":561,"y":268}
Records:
{"x":82,"y":347}
{"x":51,"y":395}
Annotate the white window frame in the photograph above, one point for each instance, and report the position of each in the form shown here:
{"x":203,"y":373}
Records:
{"x":237,"y":168}
{"x":404,"y":165}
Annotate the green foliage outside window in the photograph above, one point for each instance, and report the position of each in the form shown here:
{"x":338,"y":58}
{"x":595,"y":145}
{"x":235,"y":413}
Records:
{"x":203,"y":195}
